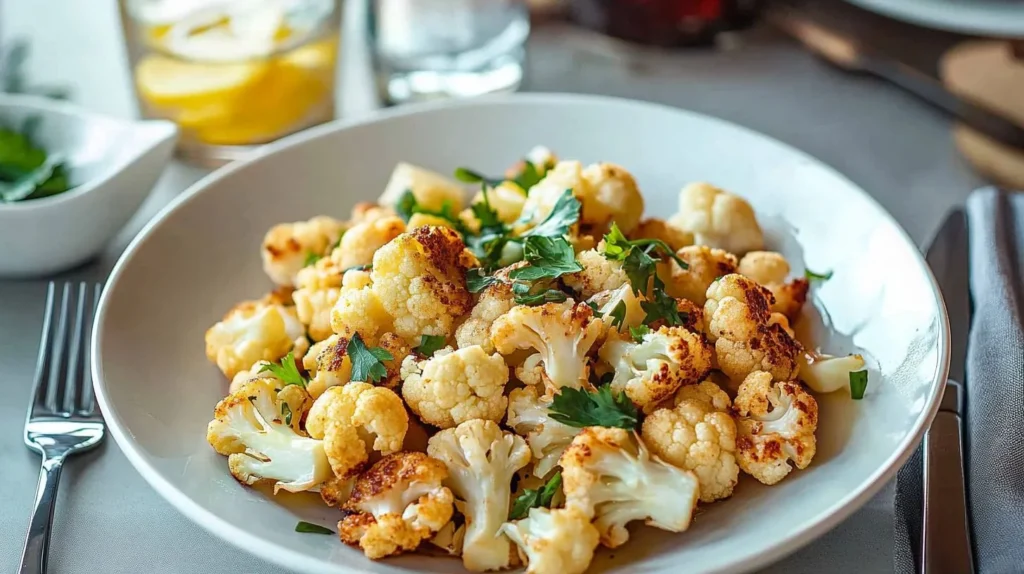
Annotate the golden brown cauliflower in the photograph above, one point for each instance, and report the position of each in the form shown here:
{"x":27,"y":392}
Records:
{"x":717,"y":218}
{"x":362,"y":240}
{"x":287,"y":246}
{"x":554,"y":541}
{"x":599,"y":274}
{"x":257,"y":428}
{"x":776,"y":422}
{"x":739,"y":321}
{"x":694,"y":436}
{"x":420,"y":280}
{"x":369,"y":211}
{"x":432,"y":190}
{"x":608,"y":301}
{"x":254,"y":331}
{"x":611,"y":195}
{"x":353,"y":419}
{"x":493,"y":302}
{"x":317,"y":289}
{"x":399,"y":350}
{"x":771,"y":270}
{"x":654,"y":228}
{"x":561,"y":334}
{"x":328,"y":365}
{"x":609,"y":474}
{"x":359,"y":310}
{"x":707,"y":393}
{"x":396,"y":504}
{"x":705,"y":266}
{"x":650,"y":371}
{"x":453,"y":387}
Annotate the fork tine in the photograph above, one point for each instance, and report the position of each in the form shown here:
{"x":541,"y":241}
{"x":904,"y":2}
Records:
{"x":74,"y":376}
{"x":43,"y":362}
{"x":58,"y":353}
{"x":86,"y":404}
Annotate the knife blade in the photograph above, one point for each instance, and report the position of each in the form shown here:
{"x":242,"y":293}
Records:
{"x":945,"y":530}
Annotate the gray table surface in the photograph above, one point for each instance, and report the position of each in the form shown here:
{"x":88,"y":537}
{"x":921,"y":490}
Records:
{"x":108,"y":520}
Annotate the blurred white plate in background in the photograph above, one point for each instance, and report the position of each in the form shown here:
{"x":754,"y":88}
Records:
{"x":1000,"y":18}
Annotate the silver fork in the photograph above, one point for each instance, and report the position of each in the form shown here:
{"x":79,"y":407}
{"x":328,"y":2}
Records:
{"x":62,"y":416}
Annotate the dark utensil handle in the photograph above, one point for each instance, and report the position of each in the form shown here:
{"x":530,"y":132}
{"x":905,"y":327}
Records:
{"x":931,"y":90}
{"x":945,"y":534}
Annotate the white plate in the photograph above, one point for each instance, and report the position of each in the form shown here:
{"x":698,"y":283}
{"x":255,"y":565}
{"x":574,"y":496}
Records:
{"x":200,"y":256}
{"x":999,"y":18}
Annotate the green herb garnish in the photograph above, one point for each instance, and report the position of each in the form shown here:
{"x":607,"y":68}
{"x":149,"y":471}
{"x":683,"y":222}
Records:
{"x":429,"y":344}
{"x":528,"y":176}
{"x":601,"y":408}
{"x":637,"y":256}
{"x":812,"y":276}
{"x":593,"y":306}
{"x":526,"y":294}
{"x":286,"y":412}
{"x":638,"y":332}
{"x":535,"y":498}
{"x":287,"y":371}
{"x":858,"y":384}
{"x":662,"y":306}
{"x":367,"y":362}
{"x":311,"y":258}
{"x":310,"y":528}
{"x":467,"y":175}
{"x":548,"y":258}
{"x":565,"y":213}
{"x":618,"y":314}
{"x":477,"y":280}
{"x":408,"y":206}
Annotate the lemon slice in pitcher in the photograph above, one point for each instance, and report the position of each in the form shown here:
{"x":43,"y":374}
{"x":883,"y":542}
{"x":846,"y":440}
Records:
{"x":166,"y":82}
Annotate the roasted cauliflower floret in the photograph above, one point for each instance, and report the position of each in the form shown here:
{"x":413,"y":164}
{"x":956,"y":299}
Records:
{"x":529,"y":417}
{"x":360,"y":310}
{"x":396,"y":504}
{"x":654,"y":228}
{"x":250,"y":374}
{"x":354,"y":419}
{"x":747,"y":339}
{"x":481,"y":461}
{"x":705,"y":266}
{"x":554,"y":541}
{"x":827,"y":374}
{"x":362,"y":240}
{"x":776,"y":423}
{"x":707,"y":393}
{"x":599,"y":274}
{"x":608,"y":301}
{"x":420,"y":280}
{"x":694,"y":436}
{"x":771,"y":270}
{"x":453,"y":387}
{"x":257,"y":433}
{"x":717,"y":218}
{"x":432,"y":190}
{"x":317,"y":289}
{"x":328,"y":365}
{"x":610,"y":475}
{"x":650,"y":371}
{"x":254,"y":331}
{"x":611,"y":195}
{"x":560,"y":333}
{"x":493,"y":302}
{"x":506,"y":199}
{"x":287,"y":246}
{"x":369,"y":211}
{"x":399,"y":350}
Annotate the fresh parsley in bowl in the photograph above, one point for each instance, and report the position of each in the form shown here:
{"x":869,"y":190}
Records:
{"x":27,"y":170}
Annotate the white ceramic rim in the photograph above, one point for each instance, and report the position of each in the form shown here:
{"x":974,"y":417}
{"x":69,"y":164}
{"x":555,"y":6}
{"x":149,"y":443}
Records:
{"x":984,"y":18}
{"x":291,"y":559}
{"x":43,"y":105}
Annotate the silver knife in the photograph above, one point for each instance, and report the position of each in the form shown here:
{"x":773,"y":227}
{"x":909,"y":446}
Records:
{"x":945,"y":531}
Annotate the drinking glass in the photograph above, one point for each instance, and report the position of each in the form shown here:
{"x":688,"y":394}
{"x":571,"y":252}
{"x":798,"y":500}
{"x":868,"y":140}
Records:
{"x":429,"y":49}
{"x":233,"y":74}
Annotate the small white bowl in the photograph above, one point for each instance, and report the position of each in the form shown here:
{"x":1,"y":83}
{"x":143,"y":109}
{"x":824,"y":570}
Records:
{"x":112,"y":166}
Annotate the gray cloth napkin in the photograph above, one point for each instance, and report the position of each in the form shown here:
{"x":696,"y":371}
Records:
{"x":995,"y":397}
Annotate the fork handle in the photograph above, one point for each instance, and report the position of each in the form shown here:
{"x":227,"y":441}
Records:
{"x":37,"y":543}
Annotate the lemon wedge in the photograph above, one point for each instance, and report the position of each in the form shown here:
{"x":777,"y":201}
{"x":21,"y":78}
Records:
{"x":164,"y":82}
